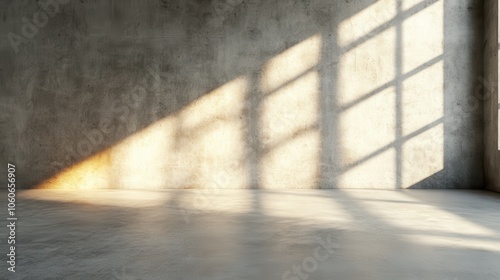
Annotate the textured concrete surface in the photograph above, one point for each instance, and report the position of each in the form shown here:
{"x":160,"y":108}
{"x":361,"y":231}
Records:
{"x":248,"y":234}
{"x":242,"y":94}
{"x":491,"y":121}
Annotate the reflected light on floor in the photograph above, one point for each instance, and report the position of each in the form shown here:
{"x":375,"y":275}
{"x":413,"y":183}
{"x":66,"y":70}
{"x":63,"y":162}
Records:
{"x":414,"y":215}
{"x":115,"y":198}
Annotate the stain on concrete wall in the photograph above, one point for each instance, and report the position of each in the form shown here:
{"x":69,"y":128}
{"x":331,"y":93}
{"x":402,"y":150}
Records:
{"x":241,"y":94}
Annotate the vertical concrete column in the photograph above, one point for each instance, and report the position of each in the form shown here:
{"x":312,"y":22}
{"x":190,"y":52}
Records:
{"x":490,"y":94}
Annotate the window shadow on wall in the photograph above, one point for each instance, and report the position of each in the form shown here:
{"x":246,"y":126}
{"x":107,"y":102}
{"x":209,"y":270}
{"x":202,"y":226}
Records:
{"x":251,"y":95}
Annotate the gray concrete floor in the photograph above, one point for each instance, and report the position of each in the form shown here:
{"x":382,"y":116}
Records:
{"x":244,"y":234}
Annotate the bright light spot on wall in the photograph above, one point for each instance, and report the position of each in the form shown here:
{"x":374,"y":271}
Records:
{"x":289,"y":115}
{"x":367,"y":67}
{"x":202,"y":146}
{"x":290,"y":110}
{"x":368,"y":127}
{"x":377,"y":172}
{"x":423,"y":155}
{"x":366,"y":22}
{"x":91,"y":173}
{"x":293,"y":164}
{"x":423,"y":37}
{"x":422,"y":98}
{"x":142,"y":159}
{"x":291,"y":63}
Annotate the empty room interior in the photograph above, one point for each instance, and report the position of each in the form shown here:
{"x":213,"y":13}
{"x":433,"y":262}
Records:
{"x":249,"y":139}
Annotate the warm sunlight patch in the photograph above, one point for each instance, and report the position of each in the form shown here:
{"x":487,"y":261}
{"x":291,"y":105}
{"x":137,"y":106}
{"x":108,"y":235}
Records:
{"x":291,"y":63}
{"x":90,"y":173}
{"x":368,"y":68}
{"x":424,"y":36}
{"x":369,"y":22}
{"x":423,"y":155}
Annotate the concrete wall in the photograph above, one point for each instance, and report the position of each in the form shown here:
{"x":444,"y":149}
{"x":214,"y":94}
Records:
{"x":242,"y":94}
{"x":492,"y":155}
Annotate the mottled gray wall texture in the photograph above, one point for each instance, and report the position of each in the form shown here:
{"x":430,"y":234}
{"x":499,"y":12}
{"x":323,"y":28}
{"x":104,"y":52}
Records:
{"x":491,"y":104}
{"x":242,"y":93}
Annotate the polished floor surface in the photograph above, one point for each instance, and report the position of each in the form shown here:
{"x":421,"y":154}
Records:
{"x":249,"y":234}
